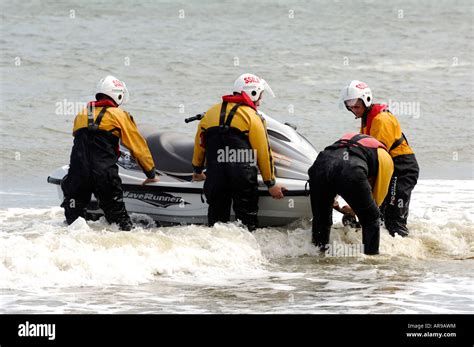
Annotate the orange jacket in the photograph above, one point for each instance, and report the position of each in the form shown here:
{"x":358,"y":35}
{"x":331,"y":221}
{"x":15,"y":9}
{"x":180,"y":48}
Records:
{"x":121,"y":124}
{"x":248,"y":121}
{"x":384,"y":126}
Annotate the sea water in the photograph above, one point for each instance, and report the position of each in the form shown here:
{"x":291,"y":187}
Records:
{"x":177,"y":60}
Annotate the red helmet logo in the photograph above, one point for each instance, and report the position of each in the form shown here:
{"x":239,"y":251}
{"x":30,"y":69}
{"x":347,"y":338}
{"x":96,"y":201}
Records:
{"x":362,"y":85}
{"x":251,"y":79}
{"x":117,"y":83}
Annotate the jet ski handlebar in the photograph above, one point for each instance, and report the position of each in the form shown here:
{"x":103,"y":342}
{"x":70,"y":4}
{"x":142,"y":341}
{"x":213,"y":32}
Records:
{"x":196,"y":117}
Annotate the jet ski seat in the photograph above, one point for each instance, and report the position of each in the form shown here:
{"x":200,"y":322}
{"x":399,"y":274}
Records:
{"x":172,"y":152}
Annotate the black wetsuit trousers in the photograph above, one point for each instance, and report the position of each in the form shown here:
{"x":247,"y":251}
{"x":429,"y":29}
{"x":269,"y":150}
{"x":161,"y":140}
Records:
{"x":395,"y":206}
{"x":232,"y":184}
{"x":93,"y":169}
{"x":333,"y":173}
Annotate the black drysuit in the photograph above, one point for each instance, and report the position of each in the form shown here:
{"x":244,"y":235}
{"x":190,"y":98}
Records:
{"x":396,"y":205}
{"x":93,"y":169}
{"x":230,"y":182}
{"x":343,"y":169}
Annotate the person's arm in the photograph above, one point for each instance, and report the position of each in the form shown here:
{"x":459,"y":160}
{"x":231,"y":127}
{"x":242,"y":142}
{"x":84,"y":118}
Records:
{"x":384,"y":175}
{"x":199,"y":154}
{"x":134,"y":141}
{"x":259,"y":141}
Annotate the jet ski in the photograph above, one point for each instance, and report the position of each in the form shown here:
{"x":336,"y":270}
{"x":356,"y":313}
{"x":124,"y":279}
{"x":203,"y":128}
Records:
{"x":176,"y":199}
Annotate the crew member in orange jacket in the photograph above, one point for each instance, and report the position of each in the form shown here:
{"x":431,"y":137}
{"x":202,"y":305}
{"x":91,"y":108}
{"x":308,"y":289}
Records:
{"x":93,"y":169}
{"x":234,"y":126}
{"x":379,"y":122}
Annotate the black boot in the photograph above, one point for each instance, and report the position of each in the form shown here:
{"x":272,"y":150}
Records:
{"x":402,"y":233}
{"x":251,"y":227}
{"x":321,"y":236}
{"x":248,"y":219}
{"x":73,"y":210}
{"x":396,"y":225}
{"x":371,"y":237}
{"x":395,"y":218}
{"x":125,"y":225}
{"x":115,"y":212}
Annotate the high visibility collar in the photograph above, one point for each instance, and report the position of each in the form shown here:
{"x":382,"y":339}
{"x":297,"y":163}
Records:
{"x":371,"y":113}
{"x":102,"y":103}
{"x":240,"y":98}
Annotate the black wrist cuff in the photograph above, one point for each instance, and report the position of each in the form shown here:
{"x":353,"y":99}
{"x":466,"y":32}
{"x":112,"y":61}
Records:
{"x":151,"y":173}
{"x":269,"y":183}
{"x":197,"y":169}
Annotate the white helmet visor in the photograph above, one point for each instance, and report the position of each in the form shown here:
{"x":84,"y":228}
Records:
{"x":126,"y":95}
{"x":266,"y":87}
{"x":350,"y":102}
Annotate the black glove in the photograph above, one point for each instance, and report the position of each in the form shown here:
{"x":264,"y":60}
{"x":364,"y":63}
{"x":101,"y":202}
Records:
{"x":350,"y":220}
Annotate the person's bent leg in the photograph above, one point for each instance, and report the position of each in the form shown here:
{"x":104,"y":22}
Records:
{"x":322,"y":198}
{"x":371,"y":237}
{"x":244,"y":185}
{"x":403,"y":181}
{"x":356,"y":191}
{"x":218,"y":195}
{"x":108,"y":190}
{"x":77,"y":195}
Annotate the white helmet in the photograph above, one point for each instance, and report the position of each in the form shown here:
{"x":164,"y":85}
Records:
{"x":252,"y":86}
{"x":355,"y":90}
{"x":113,"y":88}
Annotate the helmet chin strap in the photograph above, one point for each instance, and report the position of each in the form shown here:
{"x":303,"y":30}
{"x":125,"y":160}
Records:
{"x":366,"y":112}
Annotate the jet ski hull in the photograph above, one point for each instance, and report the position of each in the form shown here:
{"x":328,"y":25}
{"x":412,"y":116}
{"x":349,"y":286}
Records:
{"x":175,"y":201}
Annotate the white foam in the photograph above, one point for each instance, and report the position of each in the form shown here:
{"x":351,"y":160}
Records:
{"x":48,"y":253}
{"x":38,"y":250}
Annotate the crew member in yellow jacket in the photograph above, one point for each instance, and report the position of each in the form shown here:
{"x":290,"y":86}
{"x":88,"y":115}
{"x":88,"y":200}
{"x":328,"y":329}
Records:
{"x":379,"y":122}
{"x":358,"y":168}
{"x":93,"y":169}
{"x":231,"y":142}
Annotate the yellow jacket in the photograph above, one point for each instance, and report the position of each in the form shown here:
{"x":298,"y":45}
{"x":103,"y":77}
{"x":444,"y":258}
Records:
{"x":245,"y":119}
{"x":385,"y":127}
{"x":122,"y":125}
{"x":384,"y":174}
